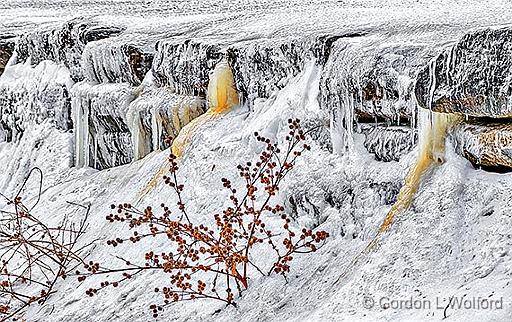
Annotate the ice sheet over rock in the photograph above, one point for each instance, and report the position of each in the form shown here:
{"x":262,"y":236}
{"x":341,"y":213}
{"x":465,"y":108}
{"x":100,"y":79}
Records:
{"x":471,"y":76}
{"x":102,"y":136}
{"x":62,"y":43}
{"x":30,"y":95}
{"x":370,"y":78}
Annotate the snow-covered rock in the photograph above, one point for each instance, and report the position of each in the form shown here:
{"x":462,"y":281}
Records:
{"x":471,"y":76}
{"x":185,"y":65}
{"x":485,"y":144}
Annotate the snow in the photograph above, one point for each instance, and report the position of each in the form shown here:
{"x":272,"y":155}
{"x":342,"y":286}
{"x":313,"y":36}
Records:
{"x":455,"y":240}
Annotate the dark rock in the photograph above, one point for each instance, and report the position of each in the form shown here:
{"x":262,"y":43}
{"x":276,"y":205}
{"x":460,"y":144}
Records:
{"x":471,"y":76}
{"x":7,"y":44}
{"x":485,"y":144}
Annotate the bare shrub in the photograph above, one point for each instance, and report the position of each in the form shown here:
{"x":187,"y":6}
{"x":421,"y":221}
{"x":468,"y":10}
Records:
{"x":212,"y":261}
{"x":34,"y":255}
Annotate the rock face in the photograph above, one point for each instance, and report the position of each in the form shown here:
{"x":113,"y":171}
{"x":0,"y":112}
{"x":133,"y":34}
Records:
{"x":471,"y":77}
{"x":7,"y":43}
{"x":136,"y":88}
{"x":63,"y":43}
{"x":389,"y":143}
{"x":485,"y":144}
{"x":33,"y":95}
{"x":185,"y":65}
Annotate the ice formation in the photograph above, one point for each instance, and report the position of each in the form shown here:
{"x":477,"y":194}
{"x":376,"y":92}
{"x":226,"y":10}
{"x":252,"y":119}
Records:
{"x":31,"y":95}
{"x":157,"y":115}
{"x":102,"y":136}
{"x":432,"y":140}
{"x":364,"y":82}
{"x":388,"y":143}
{"x":222,"y":97}
{"x":62,"y":43}
{"x":119,"y":61}
{"x":95,"y":102}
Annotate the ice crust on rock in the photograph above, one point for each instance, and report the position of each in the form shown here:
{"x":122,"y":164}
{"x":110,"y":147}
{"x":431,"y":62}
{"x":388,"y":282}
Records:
{"x":261,"y":68}
{"x":471,"y":76}
{"x":389,"y":143}
{"x":30,"y":95}
{"x":185,"y":64}
{"x":103,"y":139}
{"x":123,"y":60}
{"x":348,"y":67}
{"x":62,"y":43}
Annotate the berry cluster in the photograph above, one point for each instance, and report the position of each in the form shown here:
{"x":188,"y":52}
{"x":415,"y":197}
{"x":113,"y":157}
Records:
{"x":206,"y":261}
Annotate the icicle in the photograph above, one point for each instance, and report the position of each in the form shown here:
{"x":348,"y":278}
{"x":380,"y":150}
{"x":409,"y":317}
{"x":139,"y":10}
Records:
{"x":156,"y":128}
{"x":433,"y":128}
{"x":81,"y":123}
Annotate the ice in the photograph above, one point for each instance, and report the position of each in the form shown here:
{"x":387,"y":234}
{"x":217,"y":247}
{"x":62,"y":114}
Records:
{"x":389,"y":142}
{"x":185,"y":65}
{"x":471,"y":76}
{"x":62,"y":43}
{"x":102,"y":136}
{"x":117,"y":60}
{"x":432,"y":134}
{"x":264,"y":67}
{"x":106,"y":90}
{"x":222,"y":97}
{"x":30,"y":95}
{"x":156,"y":117}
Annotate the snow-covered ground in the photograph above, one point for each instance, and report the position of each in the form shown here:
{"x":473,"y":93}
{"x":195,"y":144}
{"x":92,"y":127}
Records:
{"x":455,"y":241}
